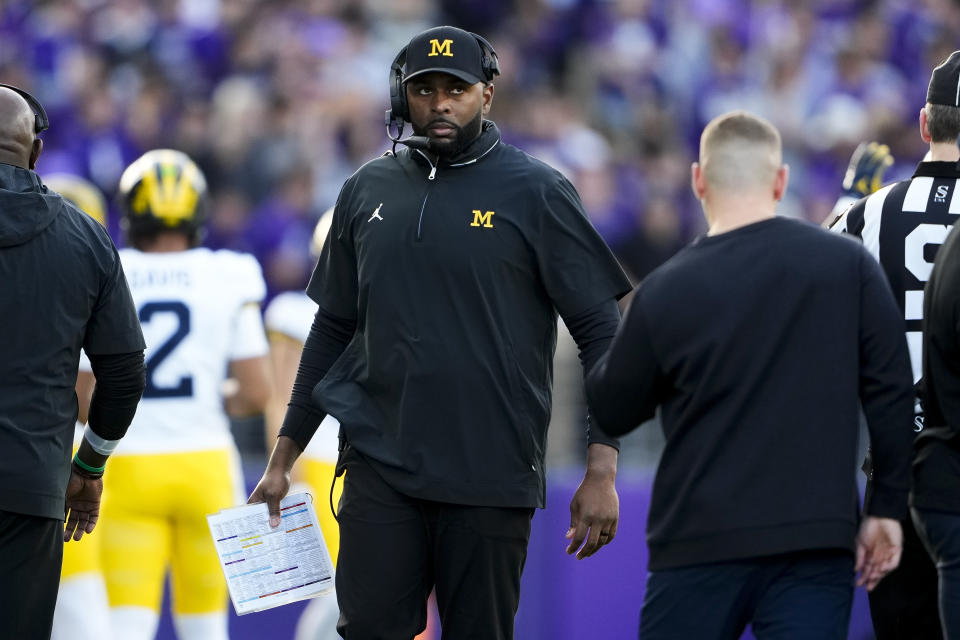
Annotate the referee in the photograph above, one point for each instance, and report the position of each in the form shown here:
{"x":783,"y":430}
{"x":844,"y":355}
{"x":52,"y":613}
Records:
{"x":903,"y":225}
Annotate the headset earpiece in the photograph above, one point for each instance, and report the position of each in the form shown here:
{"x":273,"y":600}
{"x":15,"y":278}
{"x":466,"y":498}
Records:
{"x":489,"y":61}
{"x":40,"y":120}
{"x":398,"y":93}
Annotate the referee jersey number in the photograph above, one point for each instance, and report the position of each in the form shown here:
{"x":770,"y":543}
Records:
{"x":181,"y":313}
{"x":915,"y":245}
{"x":919,"y":249}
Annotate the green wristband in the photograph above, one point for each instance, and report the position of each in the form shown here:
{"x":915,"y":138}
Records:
{"x":83,"y":465}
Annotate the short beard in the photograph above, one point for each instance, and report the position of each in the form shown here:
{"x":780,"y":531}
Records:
{"x":464,"y":136}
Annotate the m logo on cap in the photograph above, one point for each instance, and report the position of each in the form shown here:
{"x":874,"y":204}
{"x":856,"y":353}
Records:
{"x":438,"y":48}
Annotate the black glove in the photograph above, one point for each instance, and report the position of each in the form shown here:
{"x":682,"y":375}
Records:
{"x":865,"y":172}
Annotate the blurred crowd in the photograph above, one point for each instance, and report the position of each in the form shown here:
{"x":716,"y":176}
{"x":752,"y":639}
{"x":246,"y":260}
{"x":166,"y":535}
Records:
{"x":280,"y":101}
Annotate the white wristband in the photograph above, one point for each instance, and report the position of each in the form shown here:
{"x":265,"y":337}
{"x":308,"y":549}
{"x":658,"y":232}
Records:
{"x":98,"y":444}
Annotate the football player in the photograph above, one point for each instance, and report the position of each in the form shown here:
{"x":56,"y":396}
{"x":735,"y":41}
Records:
{"x":200,"y":313}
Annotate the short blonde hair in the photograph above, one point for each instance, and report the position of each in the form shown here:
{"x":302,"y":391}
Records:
{"x":740,"y":150}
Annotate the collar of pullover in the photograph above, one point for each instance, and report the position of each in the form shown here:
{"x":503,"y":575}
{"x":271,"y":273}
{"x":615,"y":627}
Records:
{"x":483,"y":144}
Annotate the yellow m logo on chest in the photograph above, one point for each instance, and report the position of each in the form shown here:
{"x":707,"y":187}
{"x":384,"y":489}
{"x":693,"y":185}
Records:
{"x":482,"y":219}
{"x":438,"y":48}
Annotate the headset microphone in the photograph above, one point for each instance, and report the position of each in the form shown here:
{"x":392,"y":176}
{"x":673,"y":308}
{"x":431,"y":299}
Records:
{"x":414,"y":142}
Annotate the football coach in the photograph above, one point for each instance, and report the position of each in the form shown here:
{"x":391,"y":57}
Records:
{"x":63,"y":289}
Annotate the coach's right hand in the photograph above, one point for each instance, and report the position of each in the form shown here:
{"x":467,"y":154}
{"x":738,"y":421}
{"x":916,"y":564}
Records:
{"x":275,"y":483}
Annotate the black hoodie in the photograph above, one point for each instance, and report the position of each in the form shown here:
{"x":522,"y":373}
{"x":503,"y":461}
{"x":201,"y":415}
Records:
{"x":61,"y":288}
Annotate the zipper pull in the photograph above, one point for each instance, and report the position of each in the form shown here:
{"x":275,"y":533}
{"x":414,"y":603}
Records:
{"x":433,"y":172}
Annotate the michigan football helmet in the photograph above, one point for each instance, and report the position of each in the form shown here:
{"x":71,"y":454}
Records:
{"x":163,"y":190}
{"x":80,"y":192}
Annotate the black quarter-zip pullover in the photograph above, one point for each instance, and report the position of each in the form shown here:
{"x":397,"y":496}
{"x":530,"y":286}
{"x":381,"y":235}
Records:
{"x":454,"y":271}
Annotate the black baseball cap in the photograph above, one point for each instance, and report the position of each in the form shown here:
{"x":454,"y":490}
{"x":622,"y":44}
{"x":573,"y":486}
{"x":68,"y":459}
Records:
{"x":447,"y":50}
{"x":945,"y":82}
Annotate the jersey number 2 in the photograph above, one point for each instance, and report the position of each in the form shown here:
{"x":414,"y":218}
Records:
{"x":184,"y":387}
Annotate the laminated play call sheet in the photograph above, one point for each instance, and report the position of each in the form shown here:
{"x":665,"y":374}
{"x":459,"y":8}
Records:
{"x":267,"y":567}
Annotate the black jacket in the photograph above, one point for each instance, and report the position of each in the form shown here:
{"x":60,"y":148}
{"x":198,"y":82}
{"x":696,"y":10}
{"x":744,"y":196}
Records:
{"x":757,"y":344}
{"x":454,"y":273}
{"x":63,"y":289}
{"x":936,"y":466}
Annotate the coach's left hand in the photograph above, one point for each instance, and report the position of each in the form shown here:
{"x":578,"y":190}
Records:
{"x":595,"y":508}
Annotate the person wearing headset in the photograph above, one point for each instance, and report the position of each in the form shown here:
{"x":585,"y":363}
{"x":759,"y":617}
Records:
{"x":63,"y":289}
{"x":438,"y":287}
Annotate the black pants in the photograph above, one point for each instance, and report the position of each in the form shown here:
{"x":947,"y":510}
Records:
{"x":940,"y":532}
{"x":794,"y":596}
{"x":31,"y":551}
{"x":903,"y":606}
{"x":394,"y":549}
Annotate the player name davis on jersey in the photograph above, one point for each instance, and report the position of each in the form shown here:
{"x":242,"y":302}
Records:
{"x":176,"y":277}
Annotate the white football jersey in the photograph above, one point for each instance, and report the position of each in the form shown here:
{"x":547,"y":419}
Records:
{"x":200,"y":310}
{"x":291,"y":314}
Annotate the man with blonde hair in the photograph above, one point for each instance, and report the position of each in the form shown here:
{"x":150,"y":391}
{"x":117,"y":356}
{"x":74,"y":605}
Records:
{"x":757,"y":342}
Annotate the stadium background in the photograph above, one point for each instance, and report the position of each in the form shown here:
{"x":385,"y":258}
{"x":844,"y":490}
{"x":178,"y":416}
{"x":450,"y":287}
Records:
{"x":279,"y":101}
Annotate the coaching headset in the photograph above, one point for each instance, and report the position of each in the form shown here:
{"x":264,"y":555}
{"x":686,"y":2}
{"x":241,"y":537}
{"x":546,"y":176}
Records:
{"x":40,"y":120}
{"x":399,"y":111}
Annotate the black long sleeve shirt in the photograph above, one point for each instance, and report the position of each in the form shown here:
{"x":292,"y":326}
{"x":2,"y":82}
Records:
{"x":121,"y":378}
{"x":757,"y":344}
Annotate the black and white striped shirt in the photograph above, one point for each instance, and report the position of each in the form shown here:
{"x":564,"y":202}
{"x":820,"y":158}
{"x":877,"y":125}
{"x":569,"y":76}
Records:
{"x":903,"y":225}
